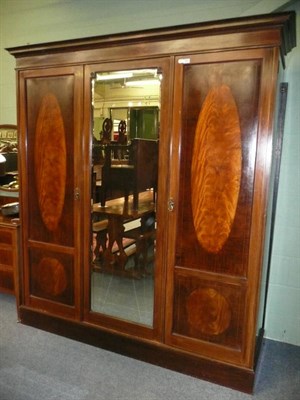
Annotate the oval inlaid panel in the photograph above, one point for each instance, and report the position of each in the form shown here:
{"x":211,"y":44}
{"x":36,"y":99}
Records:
{"x":50,"y":161}
{"x":52,"y":277}
{"x":216,"y":168}
{"x":208,"y":311}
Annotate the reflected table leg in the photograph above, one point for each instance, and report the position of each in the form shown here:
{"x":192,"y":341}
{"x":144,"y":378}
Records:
{"x":116,"y":259}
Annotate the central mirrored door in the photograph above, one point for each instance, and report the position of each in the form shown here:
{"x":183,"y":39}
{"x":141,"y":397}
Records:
{"x":125,"y":259}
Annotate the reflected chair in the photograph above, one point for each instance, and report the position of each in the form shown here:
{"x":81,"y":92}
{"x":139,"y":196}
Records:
{"x":122,"y":139}
{"x":137,"y":174}
{"x":106,"y":131}
{"x":144,"y":237}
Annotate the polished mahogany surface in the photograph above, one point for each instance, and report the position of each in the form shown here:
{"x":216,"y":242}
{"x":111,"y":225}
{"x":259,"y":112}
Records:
{"x":121,"y":208}
{"x":49,"y":217}
{"x":217,"y":106}
{"x":217,"y":168}
{"x":9,"y":254}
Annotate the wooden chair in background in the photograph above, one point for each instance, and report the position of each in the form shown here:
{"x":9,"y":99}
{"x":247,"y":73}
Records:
{"x":134,"y":175}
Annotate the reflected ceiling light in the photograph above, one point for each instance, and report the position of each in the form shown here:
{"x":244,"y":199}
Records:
{"x":143,"y":82}
{"x":112,"y":76}
{"x":148,"y":71}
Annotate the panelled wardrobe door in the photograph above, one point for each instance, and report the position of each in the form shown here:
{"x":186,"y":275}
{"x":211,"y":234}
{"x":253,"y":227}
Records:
{"x":50,"y":118}
{"x":124,"y":291}
{"x":219,"y":201}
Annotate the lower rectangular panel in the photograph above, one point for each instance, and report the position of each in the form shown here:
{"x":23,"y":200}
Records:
{"x":210,"y":311}
{"x":208,"y":316}
{"x":52,"y":276}
{"x":153,"y":352}
{"x":51,"y":284}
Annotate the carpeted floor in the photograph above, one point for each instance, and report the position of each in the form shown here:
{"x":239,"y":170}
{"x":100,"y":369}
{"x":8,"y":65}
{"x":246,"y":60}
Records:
{"x":36,"y":365}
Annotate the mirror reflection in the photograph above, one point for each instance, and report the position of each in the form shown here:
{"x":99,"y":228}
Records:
{"x":126,"y":115}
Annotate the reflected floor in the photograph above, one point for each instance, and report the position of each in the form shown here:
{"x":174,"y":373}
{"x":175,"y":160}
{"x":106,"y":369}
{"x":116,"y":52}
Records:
{"x":123,"y":297}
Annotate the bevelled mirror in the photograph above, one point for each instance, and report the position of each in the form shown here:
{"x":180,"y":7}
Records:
{"x":125,"y":141}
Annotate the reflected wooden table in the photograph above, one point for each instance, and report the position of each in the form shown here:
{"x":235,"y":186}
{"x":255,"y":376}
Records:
{"x":117,"y":212}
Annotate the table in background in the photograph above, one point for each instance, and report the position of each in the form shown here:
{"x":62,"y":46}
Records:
{"x":117,"y":212}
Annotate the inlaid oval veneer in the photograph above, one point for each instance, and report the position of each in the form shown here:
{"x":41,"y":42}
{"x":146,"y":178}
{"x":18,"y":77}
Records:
{"x":52,"y":277}
{"x":208,"y":311}
{"x":216,"y":169}
{"x":50,"y":161}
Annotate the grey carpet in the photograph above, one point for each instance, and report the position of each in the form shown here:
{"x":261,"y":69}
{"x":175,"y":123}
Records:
{"x":36,"y":365}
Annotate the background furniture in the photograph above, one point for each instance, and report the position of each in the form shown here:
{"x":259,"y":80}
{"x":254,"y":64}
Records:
{"x":9,"y":149}
{"x":218,"y":96}
{"x":9,"y":226}
{"x":9,"y":146}
{"x":144,"y":238}
{"x":9,"y":255}
{"x":106,"y":131}
{"x":133,"y":174}
{"x":114,"y":215}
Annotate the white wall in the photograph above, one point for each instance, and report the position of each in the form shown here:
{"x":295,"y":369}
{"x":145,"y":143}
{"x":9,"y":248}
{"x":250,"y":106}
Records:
{"x":34,"y":21}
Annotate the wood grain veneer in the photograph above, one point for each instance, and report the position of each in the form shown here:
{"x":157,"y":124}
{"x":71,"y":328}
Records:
{"x":216,"y":168}
{"x":217,"y":107}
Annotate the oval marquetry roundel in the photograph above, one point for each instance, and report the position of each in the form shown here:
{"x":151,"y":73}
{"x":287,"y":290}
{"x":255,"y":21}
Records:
{"x":50,"y":161}
{"x":216,"y":169}
{"x":208,"y":311}
{"x":52,"y":277}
